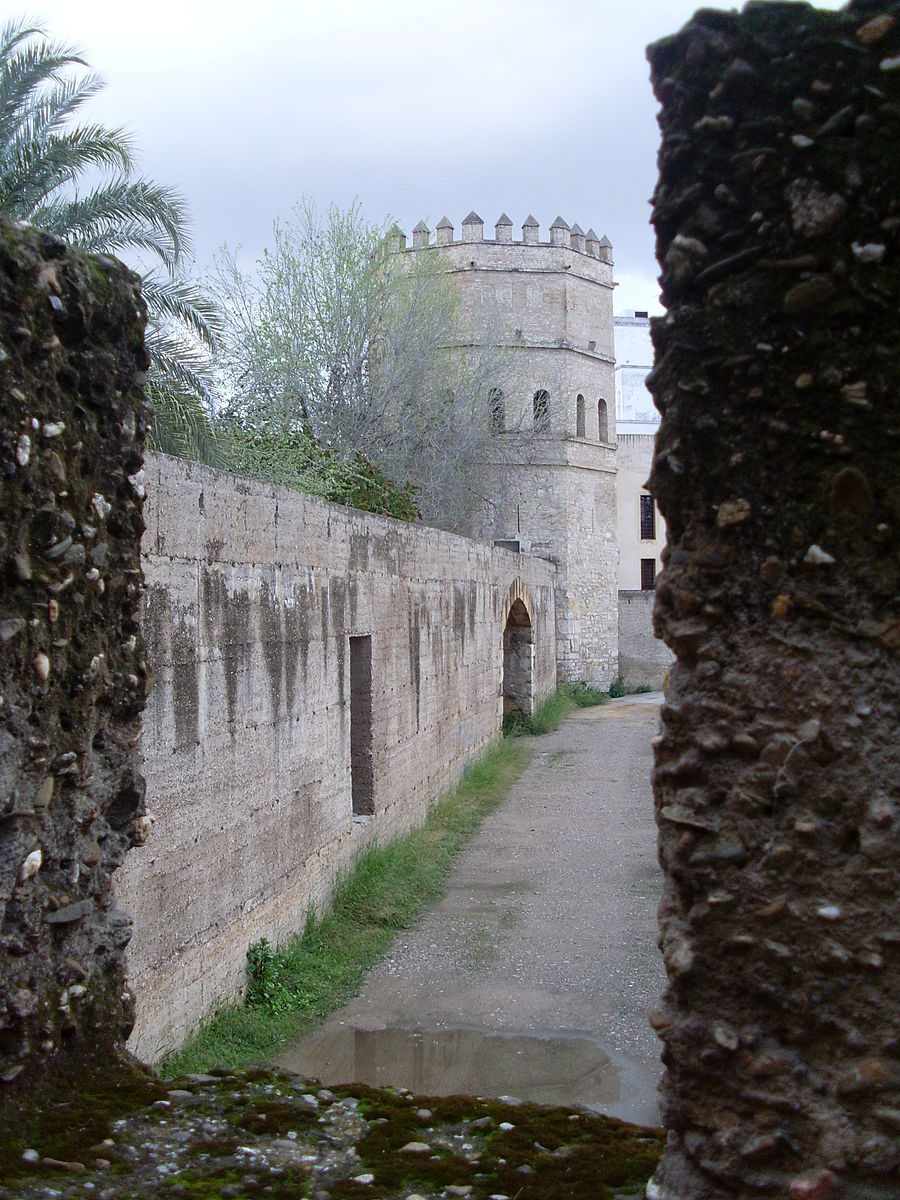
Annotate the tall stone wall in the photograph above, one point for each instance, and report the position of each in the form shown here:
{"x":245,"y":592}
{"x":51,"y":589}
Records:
{"x":643,"y":657}
{"x":777,"y":215}
{"x":72,"y":671}
{"x":254,"y":598}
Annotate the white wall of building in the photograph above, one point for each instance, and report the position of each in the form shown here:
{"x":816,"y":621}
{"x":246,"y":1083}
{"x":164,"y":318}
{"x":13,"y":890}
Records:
{"x":636,"y":423}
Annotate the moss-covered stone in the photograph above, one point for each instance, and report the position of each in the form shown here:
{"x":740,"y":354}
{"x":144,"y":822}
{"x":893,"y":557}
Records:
{"x":278,"y":1135}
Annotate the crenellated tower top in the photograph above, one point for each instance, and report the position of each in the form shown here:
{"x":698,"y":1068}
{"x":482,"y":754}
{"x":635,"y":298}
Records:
{"x":561,"y":235}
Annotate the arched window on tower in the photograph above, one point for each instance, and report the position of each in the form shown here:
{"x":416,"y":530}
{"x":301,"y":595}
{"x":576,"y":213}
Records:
{"x":497,"y":410}
{"x":602,"y":421}
{"x":579,"y":416}
{"x":541,"y":410}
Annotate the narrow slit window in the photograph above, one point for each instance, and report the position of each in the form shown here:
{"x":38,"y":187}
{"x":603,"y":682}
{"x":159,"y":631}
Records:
{"x":602,"y":421}
{"x":648,"y":574}
{"x":497,"y":410}
{"x":579,"y":417}
{"x":648,"y":519}
{"x":361,"y":746}
{"x":541,"y":409}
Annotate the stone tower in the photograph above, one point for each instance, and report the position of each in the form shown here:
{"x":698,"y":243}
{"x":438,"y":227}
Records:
{"x":549,"y":305}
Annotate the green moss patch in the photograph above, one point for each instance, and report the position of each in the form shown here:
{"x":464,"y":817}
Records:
{"x":68,"y":1119}
{"x":267,"y":1132}
{"x":548,"y":1152}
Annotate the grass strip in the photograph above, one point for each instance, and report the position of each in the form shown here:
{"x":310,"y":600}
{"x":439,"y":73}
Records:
{"x":296,"y":986}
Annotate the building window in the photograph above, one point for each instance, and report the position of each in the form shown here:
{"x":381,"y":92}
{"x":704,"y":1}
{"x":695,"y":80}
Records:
{"x":602,"y":421}
{"x":648,"y":574}
{"x":579,"y":417}
{"x":648,"y":519}
{"x":541,"y":410}
{"x":497,"y":410}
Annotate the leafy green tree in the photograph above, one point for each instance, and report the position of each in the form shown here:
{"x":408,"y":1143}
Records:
{"x":45,"y":158}
{"x":362,"y":349}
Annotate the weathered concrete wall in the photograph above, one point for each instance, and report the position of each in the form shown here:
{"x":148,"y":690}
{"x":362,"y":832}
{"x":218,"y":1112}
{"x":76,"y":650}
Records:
{"x":643,"y":657}
{"x":776,"y":782}
{"x":72,"y":423}
{"x":253,"y":595}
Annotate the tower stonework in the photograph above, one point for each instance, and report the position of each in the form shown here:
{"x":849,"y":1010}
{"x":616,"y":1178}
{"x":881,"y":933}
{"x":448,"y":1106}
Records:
{"x":547,"y":306}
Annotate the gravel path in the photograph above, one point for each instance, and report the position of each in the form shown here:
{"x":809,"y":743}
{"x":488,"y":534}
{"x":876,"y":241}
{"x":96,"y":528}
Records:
{"x":534,"y":974}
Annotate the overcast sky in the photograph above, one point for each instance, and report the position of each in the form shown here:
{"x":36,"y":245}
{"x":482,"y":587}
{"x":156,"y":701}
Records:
{"x":418,"y":109}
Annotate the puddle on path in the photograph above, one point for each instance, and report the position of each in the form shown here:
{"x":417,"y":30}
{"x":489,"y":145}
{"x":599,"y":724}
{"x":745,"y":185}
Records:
{"x":548,"y":1068}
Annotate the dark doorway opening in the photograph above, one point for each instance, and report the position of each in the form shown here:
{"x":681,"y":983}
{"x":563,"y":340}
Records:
{"x":361,"y":766}
{"x":518,"y":661}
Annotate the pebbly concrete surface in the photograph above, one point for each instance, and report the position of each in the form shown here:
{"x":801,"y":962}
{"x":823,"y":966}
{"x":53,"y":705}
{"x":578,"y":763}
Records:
{"x":534,"y":973}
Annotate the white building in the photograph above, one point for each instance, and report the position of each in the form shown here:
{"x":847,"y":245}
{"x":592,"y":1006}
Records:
{"x":641,"y":531}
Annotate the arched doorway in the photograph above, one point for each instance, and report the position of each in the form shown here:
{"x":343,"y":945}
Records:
{"x":518,"y":661}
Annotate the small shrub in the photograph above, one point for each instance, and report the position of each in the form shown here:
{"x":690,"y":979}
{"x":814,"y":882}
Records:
{"x":585,"y":695}
{"x":617,"y":688}
{"x":518,"y":724}
{"x":261,"y":973}
{"x":641,"y":689}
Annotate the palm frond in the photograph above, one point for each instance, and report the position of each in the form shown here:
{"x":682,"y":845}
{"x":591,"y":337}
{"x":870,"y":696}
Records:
{"x":181,"y":424}
{"x":121,"y":214}
{"x":179,"y":358}
{"x":27,"y":65}
{"x":49,"y":111}
{"x":184,"y":302}
{"x":34,"y":170}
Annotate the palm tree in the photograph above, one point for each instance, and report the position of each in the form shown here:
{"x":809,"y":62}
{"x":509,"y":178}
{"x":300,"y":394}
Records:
{"x":43,"y":159}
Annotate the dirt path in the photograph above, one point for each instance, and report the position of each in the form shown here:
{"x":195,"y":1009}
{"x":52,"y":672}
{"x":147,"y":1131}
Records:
{"x":533,"y":975}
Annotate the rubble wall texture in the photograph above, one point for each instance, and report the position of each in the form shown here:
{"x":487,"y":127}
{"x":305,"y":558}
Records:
{"x":72,"y":674}
{"x":253,"y":594}
{"x":778,"y":473}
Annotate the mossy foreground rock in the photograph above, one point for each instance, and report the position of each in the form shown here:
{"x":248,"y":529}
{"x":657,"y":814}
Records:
{"x":778,"y":472}
{"x":72,"y":671}
{"x":261,"y":1132}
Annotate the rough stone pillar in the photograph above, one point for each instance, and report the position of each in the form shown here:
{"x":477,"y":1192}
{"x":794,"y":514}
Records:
{"x":72,"y":672}
{"x":777,"y":778}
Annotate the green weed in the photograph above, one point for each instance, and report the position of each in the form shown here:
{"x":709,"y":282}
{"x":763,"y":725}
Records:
{"x":585,"y":695}
{"x":550,"y":713}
